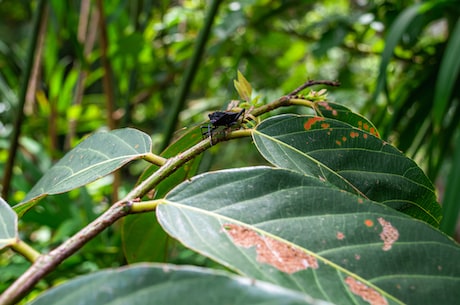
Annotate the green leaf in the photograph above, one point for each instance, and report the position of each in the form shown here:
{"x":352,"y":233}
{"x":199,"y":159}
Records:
{"x":97,"y":156}
{"x":350,"y":158}
{"x":243,"y":87}
{"x":168,"y":284}
{"x":8,"y":225}
{"x":398,"y":28}
{"x":143,"y":239}
{"x":448,"y":75}
{"x":450,"y":204}
{"x":304,"y":234}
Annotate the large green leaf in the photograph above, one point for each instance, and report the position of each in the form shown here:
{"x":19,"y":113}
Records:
{"x":168,"y":284}
{"x":304,"y":234}
{"x":8,"y":225}
{"x":98,"y":155}
{"x":350,"y":158}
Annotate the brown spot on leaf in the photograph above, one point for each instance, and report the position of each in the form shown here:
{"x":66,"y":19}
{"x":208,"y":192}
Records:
{"x":278,"y":254}
{"x":344,"y":138}
{"x":338,"y":142}
{"x":309,"y":123}
{"x":365,"y":136}
{"x":389,"y":234}
{"x":368,"y":294}
{"x":340,"y":235}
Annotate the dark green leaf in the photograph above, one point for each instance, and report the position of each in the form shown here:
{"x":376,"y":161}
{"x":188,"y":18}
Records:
{"x":450,"y":204}
{"x":97,"y":156}
{"x":396,"y":31}
{"x":143,"y":238}
{"x":301,"y":233}
{"x":448,"y":75}
{"x":350,"y":158}
{"x":8,"y":225}
{"x":168,"y":284}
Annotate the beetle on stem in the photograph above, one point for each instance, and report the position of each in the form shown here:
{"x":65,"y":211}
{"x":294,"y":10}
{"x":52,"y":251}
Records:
{"x":220,"y":118}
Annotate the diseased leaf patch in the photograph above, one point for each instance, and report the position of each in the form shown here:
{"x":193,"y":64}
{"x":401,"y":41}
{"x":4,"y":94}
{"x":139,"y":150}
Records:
{"x":368,"y":294}
{"x":282,"y":256}
{"x":389,"y":234}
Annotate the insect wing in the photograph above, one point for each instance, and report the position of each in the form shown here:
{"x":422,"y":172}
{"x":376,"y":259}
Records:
{"x":217,"y":117}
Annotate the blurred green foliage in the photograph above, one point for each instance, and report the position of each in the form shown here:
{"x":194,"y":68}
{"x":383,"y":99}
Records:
{"x":388,"y":55}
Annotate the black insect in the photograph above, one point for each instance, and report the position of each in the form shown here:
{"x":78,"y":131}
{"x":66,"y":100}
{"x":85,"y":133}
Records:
{"x":220,"y":118}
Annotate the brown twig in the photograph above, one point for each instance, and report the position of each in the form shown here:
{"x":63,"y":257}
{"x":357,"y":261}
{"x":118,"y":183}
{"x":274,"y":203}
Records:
{"x":314,"y":82}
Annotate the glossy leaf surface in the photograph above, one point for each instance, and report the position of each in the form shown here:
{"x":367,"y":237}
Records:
{"x":98,"y":155}
{"x":350,"y":158}
{"x":304,"y":234}
{"x":167,"y":284}
{"x":8,"y":224}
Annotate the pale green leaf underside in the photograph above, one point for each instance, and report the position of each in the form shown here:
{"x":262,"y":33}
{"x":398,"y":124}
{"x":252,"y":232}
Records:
{"x":352,"y":159}
{"x":8,"y":224}
{"x":98,"y":155}
{"x":167,"y":284}
{"x":339,"y":230}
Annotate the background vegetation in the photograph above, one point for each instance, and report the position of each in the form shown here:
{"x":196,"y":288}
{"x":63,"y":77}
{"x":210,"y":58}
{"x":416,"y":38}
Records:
{"x":160,"y":66}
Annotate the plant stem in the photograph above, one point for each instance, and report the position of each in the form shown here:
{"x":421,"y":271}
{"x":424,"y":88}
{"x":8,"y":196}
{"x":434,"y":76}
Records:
{"x":25,"y":250}
{"x":155,"y":159}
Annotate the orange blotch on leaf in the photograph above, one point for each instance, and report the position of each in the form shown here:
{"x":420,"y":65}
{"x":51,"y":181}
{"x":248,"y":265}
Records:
{"x":338,"y":142}
{"x":309,"y":123}
{"x":374,"y":132}
{"x":368,"y":223}
{"x":325,"y":125}
{"x":354,"y":134}
{"x":344,"y":138}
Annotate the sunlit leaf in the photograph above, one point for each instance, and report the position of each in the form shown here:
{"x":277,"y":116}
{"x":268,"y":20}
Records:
{"x":350,"y":158}
{"x":304,"y":234}
{"x":243,"y":87}
{"x":98,"y":155}
{"x":8,"y":225}
{"x":168,"y":284}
